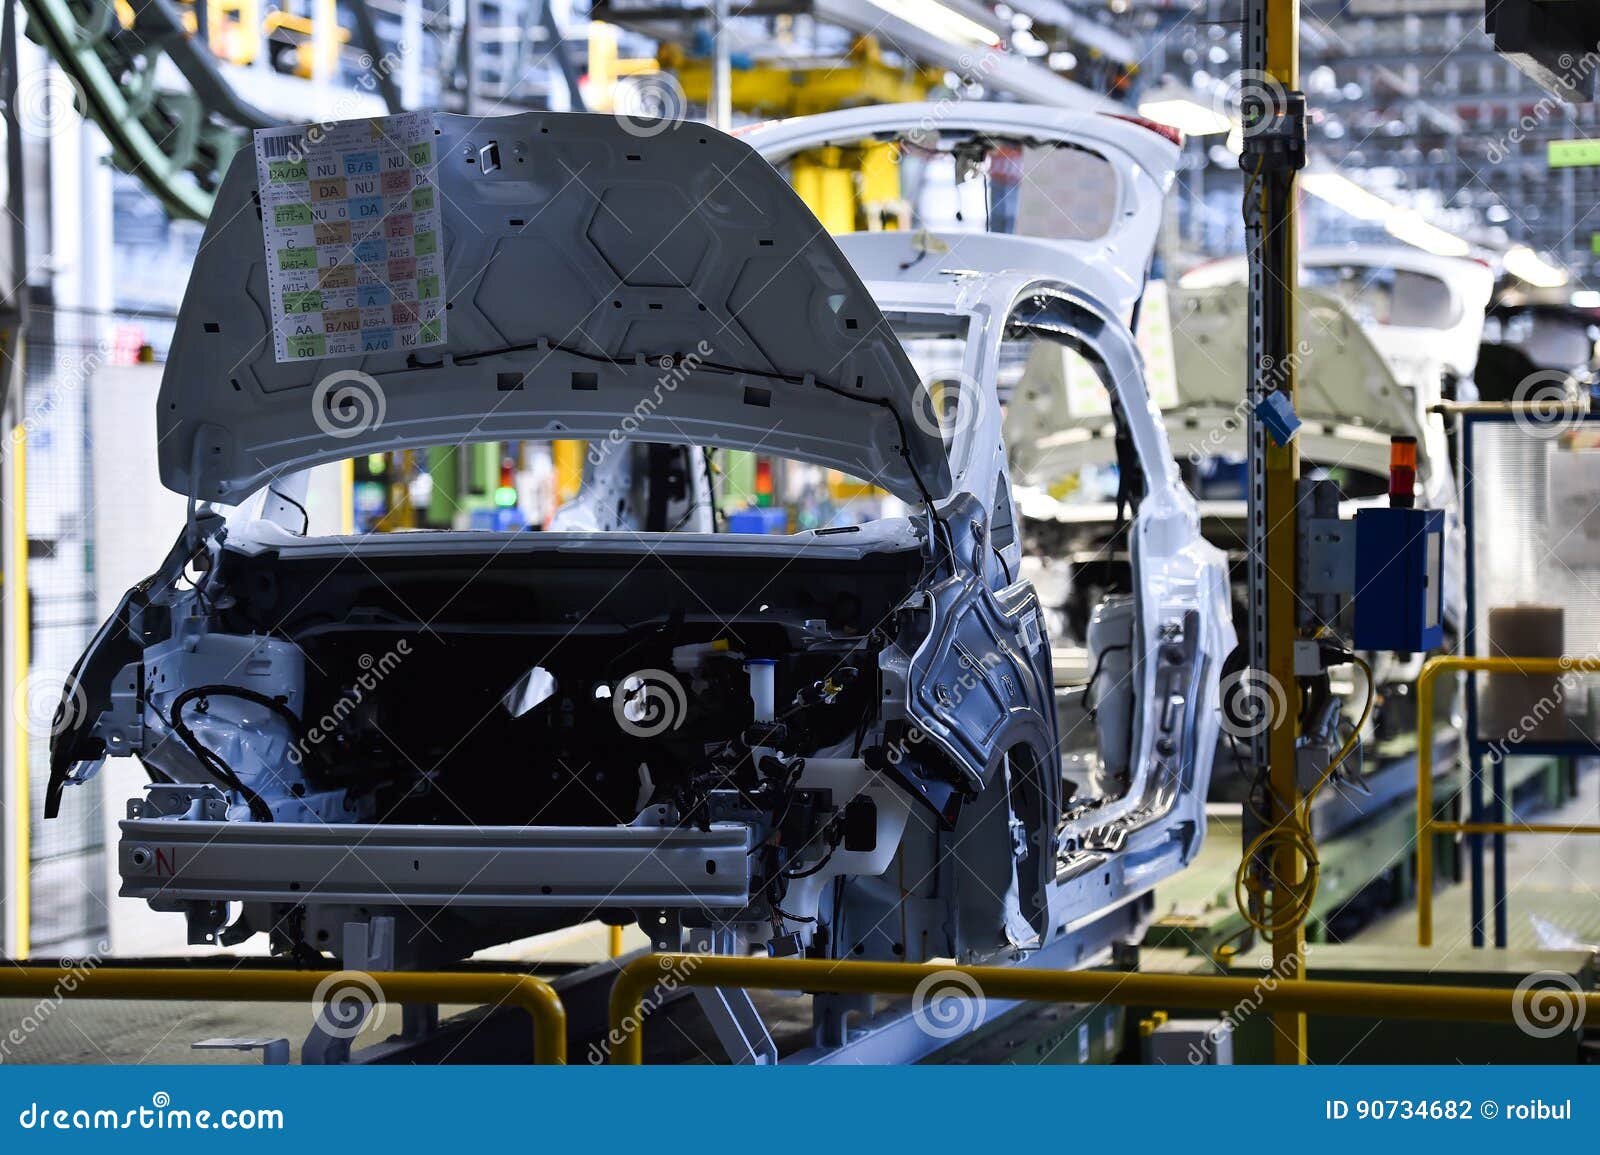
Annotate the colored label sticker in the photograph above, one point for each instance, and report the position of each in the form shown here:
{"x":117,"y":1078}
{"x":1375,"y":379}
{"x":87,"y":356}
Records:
{"x":302,"y":346}
{"x":351,"y":228}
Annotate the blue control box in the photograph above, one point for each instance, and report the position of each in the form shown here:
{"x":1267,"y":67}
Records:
{"x":1399,"y":598}
{"x":758,"y":519}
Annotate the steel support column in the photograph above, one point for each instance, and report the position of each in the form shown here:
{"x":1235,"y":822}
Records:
{"x":1271,"y":59}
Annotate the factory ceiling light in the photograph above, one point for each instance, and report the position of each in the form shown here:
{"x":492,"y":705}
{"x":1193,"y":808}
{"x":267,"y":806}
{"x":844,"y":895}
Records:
{"x":940,"y":19}
{"x":1404,"y":224}
{"x":1525,"y":264}
{"x":1179,"y":108}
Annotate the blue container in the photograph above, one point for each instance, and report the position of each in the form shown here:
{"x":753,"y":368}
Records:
{"x":1399,"y":579}
{"x":759,"y":519}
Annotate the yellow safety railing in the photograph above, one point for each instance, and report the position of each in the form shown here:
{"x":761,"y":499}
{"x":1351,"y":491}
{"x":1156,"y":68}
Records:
{"x":533,"y":995}
{"x":1376,"y":1000}
{"x":1427,"y":825}
{"x":18,"y":623}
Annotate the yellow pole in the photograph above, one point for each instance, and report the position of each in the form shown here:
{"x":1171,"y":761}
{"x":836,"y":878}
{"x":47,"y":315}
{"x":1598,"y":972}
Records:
{"x":614,"y":941}
{"x":347,"y":496}
{"x":602,"y":66}
{"x":17,"y":602}
{"x":1282,"y":470}
{"x":325,"y":40}
{"x":534,"y":995}
{"x":1375,"y":1000}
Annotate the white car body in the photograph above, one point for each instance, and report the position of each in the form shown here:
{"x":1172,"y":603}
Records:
{"x":860,"y":755}
{"x":1423,"y":340}
{"x":1121,"y":167}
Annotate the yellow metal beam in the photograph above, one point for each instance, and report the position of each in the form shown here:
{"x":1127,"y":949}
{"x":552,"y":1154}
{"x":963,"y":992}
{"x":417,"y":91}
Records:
{"x":17,"y":623}
{"x":347,"y":496}
{"x":1427,"y":827}
{"x":802,"y":89}
{"x":533,"y":995}
{"x":637,"y":979}
{"x":1282,"y":476}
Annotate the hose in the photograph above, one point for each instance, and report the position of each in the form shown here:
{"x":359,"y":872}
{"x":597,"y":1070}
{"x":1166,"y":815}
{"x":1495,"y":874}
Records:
{"x":1291,"y":834}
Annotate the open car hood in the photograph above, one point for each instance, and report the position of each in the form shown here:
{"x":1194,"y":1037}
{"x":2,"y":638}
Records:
{"x":1416,"y":346}
{"x":1348,"y":400}
{"x":604,"y":281}
{"x":1343,"y":378}
{"x":1099,"y":201}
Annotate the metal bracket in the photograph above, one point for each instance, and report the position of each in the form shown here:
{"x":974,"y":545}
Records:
{"x":1274,"y":135}
{"x":1325,"y":555}
{"x":830,"y":1017}
{"x":274,"y":1052}
{"x":368,"y":946}
{"x":738,"y":1025}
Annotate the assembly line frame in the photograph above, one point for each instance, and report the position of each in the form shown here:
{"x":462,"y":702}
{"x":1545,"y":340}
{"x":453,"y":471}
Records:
{"x":1486,"y":816}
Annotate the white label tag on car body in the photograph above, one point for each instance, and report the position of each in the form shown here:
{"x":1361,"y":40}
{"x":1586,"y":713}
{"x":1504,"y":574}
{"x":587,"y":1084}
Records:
{"x":350,"y":218}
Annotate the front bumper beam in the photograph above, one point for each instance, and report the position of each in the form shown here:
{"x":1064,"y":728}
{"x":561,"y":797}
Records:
{"x":173,"y":860}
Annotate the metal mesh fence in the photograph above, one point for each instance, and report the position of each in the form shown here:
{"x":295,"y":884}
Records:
{"x":1535,"y":500}
{"x":67,"y":356}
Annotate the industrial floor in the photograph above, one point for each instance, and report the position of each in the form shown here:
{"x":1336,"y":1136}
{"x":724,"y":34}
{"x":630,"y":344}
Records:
{"x":1554,"y":903}
{"x":1552,"y":884}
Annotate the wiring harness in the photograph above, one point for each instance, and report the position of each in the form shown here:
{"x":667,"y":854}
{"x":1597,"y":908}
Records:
{"x":1254,"y":889}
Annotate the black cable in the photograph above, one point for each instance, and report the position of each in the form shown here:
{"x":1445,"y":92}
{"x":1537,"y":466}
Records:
{"x":1004,"y":568}
{"x":816,"y":867}
{"x":220,"y":770}
{"x":1094,"y":676}
{"x":305,"y":525}
{"x":213,"y":760}
{"x":707,"y":454}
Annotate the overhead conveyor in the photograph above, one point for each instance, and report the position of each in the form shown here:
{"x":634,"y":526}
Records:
{"x":178,"y":143}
